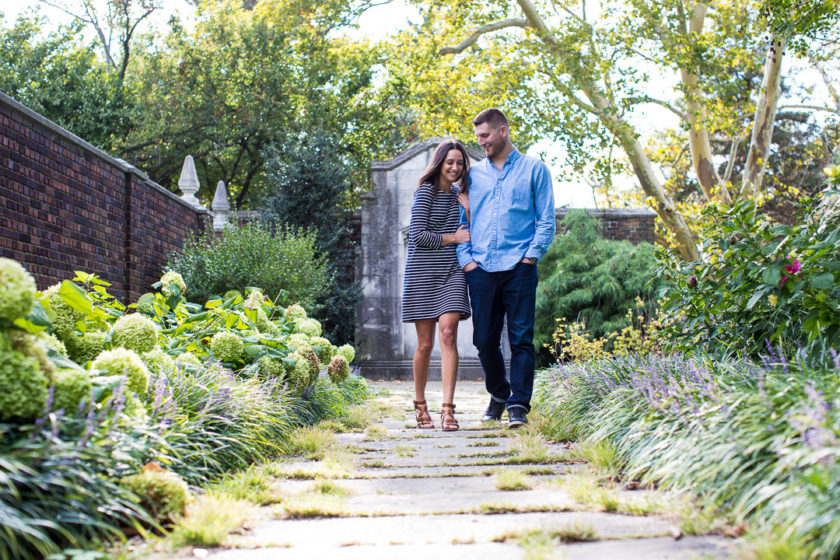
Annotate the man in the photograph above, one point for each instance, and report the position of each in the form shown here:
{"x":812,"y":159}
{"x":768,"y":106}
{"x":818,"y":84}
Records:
{"x":511,"y":222}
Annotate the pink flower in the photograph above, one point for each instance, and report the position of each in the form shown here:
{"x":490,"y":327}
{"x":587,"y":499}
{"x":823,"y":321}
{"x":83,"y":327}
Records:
{"x":692,"y":281}
{"x":791,"y":269}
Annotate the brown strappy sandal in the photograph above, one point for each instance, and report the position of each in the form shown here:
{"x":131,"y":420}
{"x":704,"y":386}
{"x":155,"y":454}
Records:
{"x":421,"y":411}
{"x":448,"y":423}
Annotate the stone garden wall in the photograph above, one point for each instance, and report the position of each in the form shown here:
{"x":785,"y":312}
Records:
{"x":66,"y":205}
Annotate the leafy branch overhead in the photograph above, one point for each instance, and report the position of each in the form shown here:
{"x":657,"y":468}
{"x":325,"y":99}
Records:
{"x":583,"y":80}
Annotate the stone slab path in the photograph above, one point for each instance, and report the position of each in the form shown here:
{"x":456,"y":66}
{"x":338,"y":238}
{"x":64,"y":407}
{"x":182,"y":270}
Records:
{"x":429,"y":494}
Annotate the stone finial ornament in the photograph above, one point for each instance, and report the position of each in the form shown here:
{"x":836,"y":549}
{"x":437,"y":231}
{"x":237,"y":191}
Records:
{"x":188,"y":182}
{"x":220,"y":206}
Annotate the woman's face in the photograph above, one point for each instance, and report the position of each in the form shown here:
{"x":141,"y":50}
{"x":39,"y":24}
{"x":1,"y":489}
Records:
{"x":453,"y":166}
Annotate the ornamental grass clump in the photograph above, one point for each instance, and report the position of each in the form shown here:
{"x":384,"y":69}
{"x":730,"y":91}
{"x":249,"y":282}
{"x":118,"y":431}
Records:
{"x":134,"y":332}
{"x":759,"y":441}
{"x":226,"y":346}
{"x":17,"y":290}
{"x":120,"y":361}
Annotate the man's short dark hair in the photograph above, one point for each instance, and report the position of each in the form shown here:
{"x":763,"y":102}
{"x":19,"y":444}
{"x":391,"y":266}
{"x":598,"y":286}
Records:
{"x":491,"y":116}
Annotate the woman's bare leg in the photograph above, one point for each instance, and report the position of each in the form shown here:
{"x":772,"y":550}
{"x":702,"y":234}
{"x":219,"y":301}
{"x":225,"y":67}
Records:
{"x":422,"y":355}
{"x":448,"y":330}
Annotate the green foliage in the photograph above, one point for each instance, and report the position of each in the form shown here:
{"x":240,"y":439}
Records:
{"x":72,"y":387}
{"x":17,"y":290}
{"x":757,"y":441}
{"x":254,"y":77}
{"x":200,"y":421}
{"x":226,"y":346}
{"x":280,"y":261}
{"x":23,"y":386}
{"x":59,"y":75}
{"x":590,"y":280}
{"x":348,"y":352}
{"x":160,"y":492}
{"x":134,"y":332}
{"x":127,"y":363}
{"x":312,"y":189}
{"x":338,"y":369}
{"x":761,"y":282}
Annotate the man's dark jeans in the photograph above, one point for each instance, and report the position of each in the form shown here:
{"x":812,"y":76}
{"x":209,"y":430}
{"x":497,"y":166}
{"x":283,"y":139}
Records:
{"x":494,"y":296}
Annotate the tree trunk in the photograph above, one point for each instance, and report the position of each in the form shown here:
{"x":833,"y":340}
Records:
{"x":623,"y":131}
{"x":698,"y":136}
{"x":765,"y":116}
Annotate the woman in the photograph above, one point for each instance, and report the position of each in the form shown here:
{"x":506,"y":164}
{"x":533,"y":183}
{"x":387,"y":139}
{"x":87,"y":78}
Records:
{"x":435,"y":290}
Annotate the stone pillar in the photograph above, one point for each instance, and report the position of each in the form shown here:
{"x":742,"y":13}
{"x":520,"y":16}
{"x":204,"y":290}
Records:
{"x":386,"y":345}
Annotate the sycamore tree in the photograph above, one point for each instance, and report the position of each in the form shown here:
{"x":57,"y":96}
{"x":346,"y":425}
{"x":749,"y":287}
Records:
{"x":571,"y":73}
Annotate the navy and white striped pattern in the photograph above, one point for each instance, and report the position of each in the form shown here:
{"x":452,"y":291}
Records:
{"x":434,"y":283}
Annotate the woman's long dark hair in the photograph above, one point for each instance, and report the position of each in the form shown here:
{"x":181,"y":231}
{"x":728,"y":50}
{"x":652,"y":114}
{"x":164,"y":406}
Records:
{"x":431,"y":175}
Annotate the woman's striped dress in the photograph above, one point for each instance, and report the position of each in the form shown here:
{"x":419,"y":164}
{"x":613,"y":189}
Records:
{"x":434,"y":283}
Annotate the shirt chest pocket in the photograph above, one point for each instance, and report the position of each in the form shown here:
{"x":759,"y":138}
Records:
{"x":520,"y":195}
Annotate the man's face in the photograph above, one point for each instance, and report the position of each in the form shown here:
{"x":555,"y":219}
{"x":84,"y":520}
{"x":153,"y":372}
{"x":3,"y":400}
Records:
{"x":491,"y":140}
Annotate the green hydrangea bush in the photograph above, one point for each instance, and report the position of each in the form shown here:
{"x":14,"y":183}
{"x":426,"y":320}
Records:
{"x":134,"y":332}
{"x":122,"y":362}
{"x":88,"y":385}
{"x":161,"y":492}
{"x":17,"y":290}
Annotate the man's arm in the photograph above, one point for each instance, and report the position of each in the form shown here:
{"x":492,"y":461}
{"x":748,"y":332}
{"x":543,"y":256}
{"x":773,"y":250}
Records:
{"x":544,"y":210}
{"x":464,"y":250}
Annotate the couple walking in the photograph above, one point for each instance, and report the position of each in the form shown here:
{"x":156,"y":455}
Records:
{"x":484,"y":228}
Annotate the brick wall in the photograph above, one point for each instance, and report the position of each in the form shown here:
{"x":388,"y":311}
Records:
{"x":66,"y":205}
{"x":635,"y":225}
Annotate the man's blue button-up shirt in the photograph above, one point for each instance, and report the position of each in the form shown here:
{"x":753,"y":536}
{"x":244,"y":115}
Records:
{"x":511,"y":213}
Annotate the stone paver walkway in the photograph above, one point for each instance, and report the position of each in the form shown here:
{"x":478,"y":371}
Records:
{"x":431,"y":494}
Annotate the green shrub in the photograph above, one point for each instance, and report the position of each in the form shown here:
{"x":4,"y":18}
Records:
{"x":122,"y":362}
{"x":348,"y":352}
{"x":760,"y":282}
{"x":279,"y":260}
{"x":17,"y":290}
{"x":23,"y":386}
{"x":134,"y":332}
{"x":338,"y":369}
{"x":226,"y":346}
{"x":85,"y":348}
{"x":325,"y":349}
{"x":72,"y":386}
{"x":159,"y":361}
{"x":161,"y":492}
{"x":590,"y":280}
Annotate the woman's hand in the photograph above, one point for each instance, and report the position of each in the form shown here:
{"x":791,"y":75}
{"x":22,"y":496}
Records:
{"x":464,"y":201}
{"x":462,"y":235}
